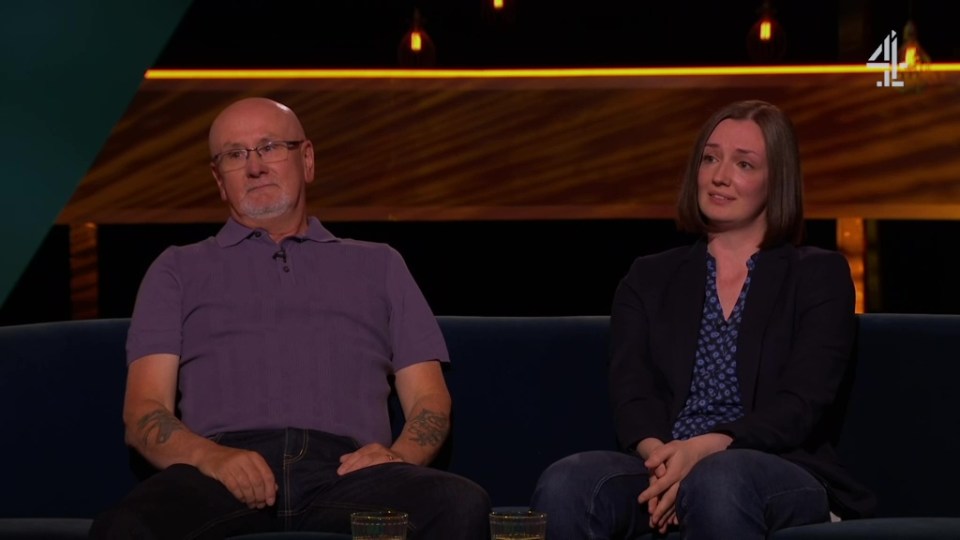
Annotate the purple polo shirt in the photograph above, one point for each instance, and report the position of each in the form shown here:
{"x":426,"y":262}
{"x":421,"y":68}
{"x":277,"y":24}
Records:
{"x":302,"y":334}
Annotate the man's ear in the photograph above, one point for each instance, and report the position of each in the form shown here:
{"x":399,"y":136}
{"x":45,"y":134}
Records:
{"x":216,"y":176}
{"x":308,"y":164}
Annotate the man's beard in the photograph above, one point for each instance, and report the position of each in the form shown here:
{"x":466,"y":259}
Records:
{"x":274,"y":208}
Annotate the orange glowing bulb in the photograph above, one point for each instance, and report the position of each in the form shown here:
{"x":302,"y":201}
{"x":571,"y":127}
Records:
{"x":910,"y":56}
{"x":416,"y":42}
{"x":765,"y":30}
{"x":497,"y":4}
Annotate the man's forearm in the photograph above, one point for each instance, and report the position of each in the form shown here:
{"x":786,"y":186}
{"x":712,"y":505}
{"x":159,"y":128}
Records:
{"x":156,"y":427}
{"x":425,"y":431}
{"x":160,"y":437}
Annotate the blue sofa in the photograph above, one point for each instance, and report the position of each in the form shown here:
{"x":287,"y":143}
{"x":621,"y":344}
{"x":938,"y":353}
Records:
{"x":526,"y":391}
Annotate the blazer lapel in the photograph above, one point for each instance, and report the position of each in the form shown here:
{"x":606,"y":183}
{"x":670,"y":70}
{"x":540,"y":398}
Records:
{"x":765,"y":285}
{"x":684,"y":306}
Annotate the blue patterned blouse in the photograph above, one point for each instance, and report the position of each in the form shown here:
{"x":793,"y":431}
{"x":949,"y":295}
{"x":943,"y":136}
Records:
{"x":714,"y":388}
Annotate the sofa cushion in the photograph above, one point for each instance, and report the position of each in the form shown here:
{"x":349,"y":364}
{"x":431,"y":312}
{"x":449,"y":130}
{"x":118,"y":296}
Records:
{"x":293,"y":535}
{"x":926,"y":528}
{"x":45,"y":528}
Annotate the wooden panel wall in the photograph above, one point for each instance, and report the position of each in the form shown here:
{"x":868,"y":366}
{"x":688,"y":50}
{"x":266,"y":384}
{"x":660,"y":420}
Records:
{"x":531,"y":148}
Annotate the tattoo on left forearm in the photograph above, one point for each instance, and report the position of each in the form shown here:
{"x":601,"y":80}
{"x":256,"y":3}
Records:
{"x":159,"y":422}
{"x":428,"y":428}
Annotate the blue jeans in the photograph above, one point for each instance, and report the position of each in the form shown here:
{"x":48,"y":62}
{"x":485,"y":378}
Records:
{"x":182,"y":502}
{"x":742,"y":494}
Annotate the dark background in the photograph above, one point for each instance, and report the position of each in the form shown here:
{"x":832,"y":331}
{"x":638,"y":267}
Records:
{"x":497,"y":267}
{"x":521,"y":267}
{"x":542,"y":33}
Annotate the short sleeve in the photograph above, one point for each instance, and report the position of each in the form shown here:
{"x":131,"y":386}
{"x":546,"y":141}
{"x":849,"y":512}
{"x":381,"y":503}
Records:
{"x":414,"y":331}
{"x":156,"y":325}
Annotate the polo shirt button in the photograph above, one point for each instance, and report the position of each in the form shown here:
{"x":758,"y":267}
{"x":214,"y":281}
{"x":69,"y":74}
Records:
{"x":257,"y":234}
{"x":286,"y":268}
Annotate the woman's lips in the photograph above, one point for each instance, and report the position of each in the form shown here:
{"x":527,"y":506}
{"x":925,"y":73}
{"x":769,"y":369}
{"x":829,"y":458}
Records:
{"x":720,"y":198}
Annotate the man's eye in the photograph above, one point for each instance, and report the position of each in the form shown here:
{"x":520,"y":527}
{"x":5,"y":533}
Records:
{"x":235,"y":154}
{"x":269,"y":147}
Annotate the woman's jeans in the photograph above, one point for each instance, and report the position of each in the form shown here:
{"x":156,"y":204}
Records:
{"x":181,"y":502}
{"x":741,"y":494}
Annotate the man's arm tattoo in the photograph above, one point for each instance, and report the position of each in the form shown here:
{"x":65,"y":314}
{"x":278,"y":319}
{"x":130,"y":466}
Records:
{"x":429,"y":428}
{"x":160,"y":421}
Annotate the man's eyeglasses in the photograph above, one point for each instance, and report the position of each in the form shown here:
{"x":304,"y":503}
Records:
{"x":269,"y":152}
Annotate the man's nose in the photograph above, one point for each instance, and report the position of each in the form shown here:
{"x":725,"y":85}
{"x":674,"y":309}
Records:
{"x":254,"y":165}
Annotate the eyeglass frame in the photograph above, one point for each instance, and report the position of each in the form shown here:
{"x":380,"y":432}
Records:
{"x":290,"y":145}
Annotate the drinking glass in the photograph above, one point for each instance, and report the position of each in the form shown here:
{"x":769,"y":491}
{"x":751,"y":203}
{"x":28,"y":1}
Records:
{"x":518,"y":525}
{"x":387,"y":525}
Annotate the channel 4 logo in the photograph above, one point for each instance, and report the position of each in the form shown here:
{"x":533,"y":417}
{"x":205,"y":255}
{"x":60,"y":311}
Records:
{"x":890,"y":63}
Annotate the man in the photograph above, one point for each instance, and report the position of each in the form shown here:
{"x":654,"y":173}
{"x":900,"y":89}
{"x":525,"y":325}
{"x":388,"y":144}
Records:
{"x":281,"y":340}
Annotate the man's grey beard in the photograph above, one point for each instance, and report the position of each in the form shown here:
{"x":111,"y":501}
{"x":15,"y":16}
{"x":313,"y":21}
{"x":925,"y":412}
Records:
{"x":276,"y":208}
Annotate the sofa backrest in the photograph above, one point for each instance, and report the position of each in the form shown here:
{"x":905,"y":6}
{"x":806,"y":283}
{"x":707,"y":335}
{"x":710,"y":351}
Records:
{"x":526,"y":391}
{"x":901,"y":431}
{"x":61,"y":433}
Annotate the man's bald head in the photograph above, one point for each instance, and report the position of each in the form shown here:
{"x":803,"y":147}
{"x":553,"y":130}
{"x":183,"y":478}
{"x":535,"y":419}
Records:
{"x":268,"y":189}
{"x":253,"y":115}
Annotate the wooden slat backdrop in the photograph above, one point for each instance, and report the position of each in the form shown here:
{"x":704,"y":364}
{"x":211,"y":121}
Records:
{"x":533,"y":148}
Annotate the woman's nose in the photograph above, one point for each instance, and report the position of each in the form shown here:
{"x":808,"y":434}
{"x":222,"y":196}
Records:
{"x":721,"y":174}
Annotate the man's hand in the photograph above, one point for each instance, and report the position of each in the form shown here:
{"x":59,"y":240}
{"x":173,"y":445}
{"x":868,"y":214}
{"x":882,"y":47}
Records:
{"x":245,"y":473}
{"x":678,"y":458}
{"x":367,"y":456}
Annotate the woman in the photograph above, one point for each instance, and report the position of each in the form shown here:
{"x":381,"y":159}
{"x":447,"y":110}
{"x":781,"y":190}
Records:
{"x":725,"y":357}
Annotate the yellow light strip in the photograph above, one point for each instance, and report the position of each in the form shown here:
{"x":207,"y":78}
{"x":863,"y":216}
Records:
{"x":156,"y":74}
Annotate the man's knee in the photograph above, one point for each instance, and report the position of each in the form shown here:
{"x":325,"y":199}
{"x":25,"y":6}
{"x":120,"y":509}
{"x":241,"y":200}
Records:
{"x":120,"y":524}
{"x":449,"y":506}
{"x":462,"y":494}
{"x":172,"y":504}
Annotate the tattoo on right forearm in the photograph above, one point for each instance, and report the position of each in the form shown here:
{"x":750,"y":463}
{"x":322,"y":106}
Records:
{"x":429,"y":428}
{"x":160,"y":421}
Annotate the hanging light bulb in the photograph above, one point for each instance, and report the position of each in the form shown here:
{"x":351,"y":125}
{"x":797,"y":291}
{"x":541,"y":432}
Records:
{"x":766,"y":41}
{"x":914,"y":61}
{"x":416,"y":48}
{"x":500,"y":13}
{"x":911,"y":53}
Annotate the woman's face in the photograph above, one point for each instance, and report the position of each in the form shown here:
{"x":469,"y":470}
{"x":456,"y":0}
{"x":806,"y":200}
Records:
{"x":732,"y":179}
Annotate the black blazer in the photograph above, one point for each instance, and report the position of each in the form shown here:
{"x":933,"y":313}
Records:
{"x":796,"y":338}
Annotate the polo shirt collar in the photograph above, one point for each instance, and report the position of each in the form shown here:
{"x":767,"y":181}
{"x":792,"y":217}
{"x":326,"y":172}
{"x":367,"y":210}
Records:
{"x":232,"y":233}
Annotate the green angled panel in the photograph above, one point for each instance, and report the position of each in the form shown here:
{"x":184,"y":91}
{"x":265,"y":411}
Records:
{"x":70,"y":68}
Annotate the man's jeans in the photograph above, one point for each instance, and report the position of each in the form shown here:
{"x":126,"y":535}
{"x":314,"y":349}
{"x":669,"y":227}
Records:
{"x":181,"y":502}
{"x":742,"y":494}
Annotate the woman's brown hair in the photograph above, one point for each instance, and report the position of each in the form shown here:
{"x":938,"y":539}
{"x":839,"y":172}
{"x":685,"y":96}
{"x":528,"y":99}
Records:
{"x":784,"y":178}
